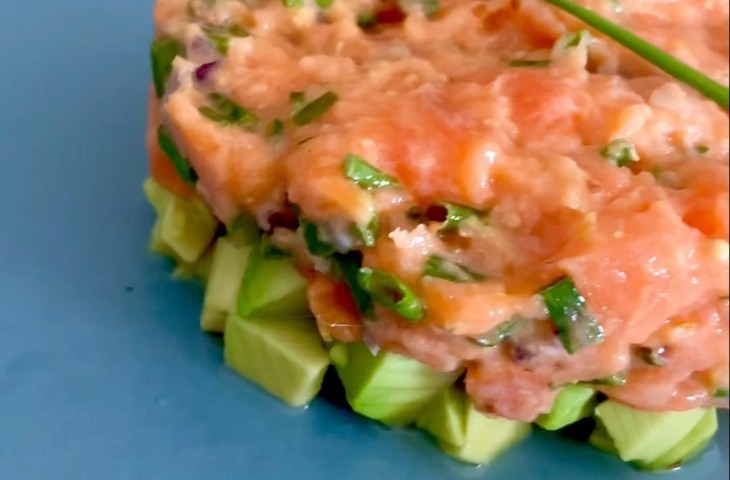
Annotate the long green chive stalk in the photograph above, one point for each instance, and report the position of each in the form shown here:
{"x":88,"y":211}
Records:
{"x":670,"y":64}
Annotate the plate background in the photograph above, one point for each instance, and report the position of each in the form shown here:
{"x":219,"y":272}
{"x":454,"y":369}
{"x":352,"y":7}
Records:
{"x":103,"y":372}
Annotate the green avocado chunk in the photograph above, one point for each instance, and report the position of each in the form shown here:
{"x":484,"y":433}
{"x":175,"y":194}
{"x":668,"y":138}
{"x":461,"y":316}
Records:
{"x":573,"y":403}
{"x":486,"y":437}
{"x":444,"y":416}
{"x":646,"y":438}
{"x":386,"y":387}
{"x":285,"y":356}
{"x":272,"y":287}
{"x":221,"y":293}
{"x":691,"y":446}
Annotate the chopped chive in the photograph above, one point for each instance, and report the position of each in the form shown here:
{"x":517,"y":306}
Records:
{"x":324,"y":4}
{"x":456,"y":214}
{"x":620,"y":152}
{"x":366,"y":175}
{"x":615,"y":380}
{"x":440,"y":267}
{"x":496,"y":335}
{"x":275,"y":128}
{"x":574,"y":39}
{"x":162,"y":52}
{"x":181,"y":164}
{"x":702,"y":149}
{"x":652,"y":356}
{"x":658,"y":57}
{"x":576,"y":328}
{"x":220,"y":37}
{"x":299,"y":100}
{"x":315,"y":243}
{"x":366,"y":21}
{"x":525,"y":63}
{"x":430,"y":7}
{"x":347,"y":267}
{"x":721,"y":393}
{"x":293,"y":3}
{"x":367,"y":234}
{"x":226,"y":112}
{"x":392,"y":293}
{"x":315,"y":109}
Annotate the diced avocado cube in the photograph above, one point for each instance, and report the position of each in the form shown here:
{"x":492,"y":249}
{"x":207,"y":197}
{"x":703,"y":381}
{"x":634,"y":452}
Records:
{"x":221,"y":293}
{"x":573,"y":403}
{"x":444,"y":416}
{"x":188,"y":227}
{"x":644,"y":437}
{"x":386,"y":387}
{"x":157,"y":244}
{"x":199,"y":269}
{"x":157,"y":196}
{"x":691,"y":446}
{"x":486,"y":437}
{"x":272,"y":287}
{"x":602,"y":440}
{"x":284,"y":356}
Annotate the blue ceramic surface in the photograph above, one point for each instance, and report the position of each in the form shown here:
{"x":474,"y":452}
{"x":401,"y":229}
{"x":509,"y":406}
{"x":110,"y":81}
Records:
{"x":103,"y":372}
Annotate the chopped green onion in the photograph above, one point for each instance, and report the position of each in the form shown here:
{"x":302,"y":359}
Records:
{"x":456,"y":214}
{"x":162,"y":53}
{"x":324,"y":4}
{"x":702,"y":149}
{"x":226,"y":112}
{"x":315,"y":243}
{"x":659,"y":58}
{"x":620,"y":152}
{"x":243,"y":230}
{"x":299,"y":99}
{"x":496,"y":335}
{"x":721,"y":393}
{"x":366,"y":175}
{"x":275,"y":128}
{"x":315,"y":109}
{"x":366,"y":21}
{"x":181,"y":164}
{"x":440,"y":267}
{"x":576,"y":328}
{"x":293,"y":3}
{"x":392,"y":293}
{"x":574,"y":39}
{"x":525,"y":63}
{"x":616,"y":380}
{"x":347,"y":266}
{"x":367,"y":234}
{"x":652,"y":356}
{"x":220,"y":37}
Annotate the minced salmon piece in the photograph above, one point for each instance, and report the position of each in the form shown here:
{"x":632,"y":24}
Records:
{"x":577,"y":163}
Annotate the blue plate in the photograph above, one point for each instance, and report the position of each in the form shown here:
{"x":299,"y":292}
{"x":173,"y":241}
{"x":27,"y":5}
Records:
{"x":103,"y":371}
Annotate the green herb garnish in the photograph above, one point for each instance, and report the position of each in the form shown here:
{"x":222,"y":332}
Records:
{"x":366,"y":21}
{"x":721,"y":393}
{"x":576,"y":328}
{"x":181,"y":164}
{"x":456,"y":214}
{"x":324,"y":4}
{"x":226,"y":112}
{"x":347,"y":267}
{"x":367,"y":234}
{"x":658,"y":57}
{"x":220,"y":36}
{"x":702,"y":149}
{"x":293,"y":3}
{"x":620,"y":152}
{"x":525,"y":63}
{"x":366,"y":175}
{"x":162,"y":52}
{"x":439,"y":267}
{"x":392,"y":293}
{"x":314,"y":109}
{"x":496,"y":335}
{"x":316,"y":244}
{"x":275,"y":128}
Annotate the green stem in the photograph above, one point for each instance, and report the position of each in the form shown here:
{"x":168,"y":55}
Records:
{"x":661,"y":59}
